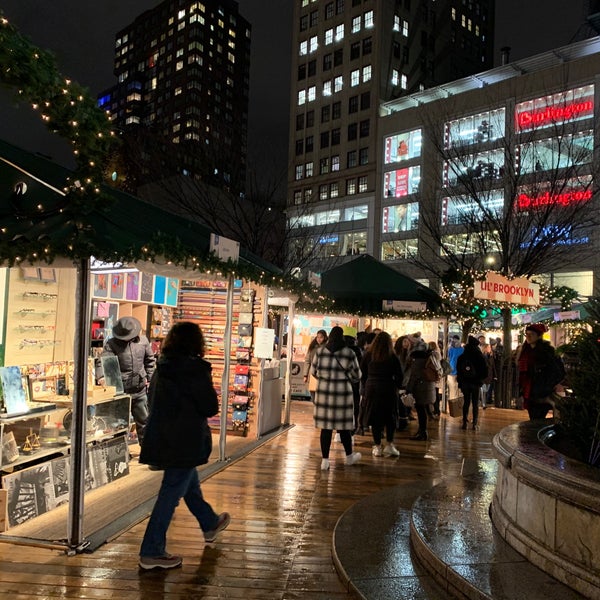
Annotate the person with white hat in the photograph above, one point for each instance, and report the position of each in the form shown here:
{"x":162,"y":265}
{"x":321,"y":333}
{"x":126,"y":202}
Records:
{"x":136,"y":363}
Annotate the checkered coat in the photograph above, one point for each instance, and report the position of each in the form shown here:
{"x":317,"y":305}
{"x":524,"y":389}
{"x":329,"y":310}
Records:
{"x":334,"y":402}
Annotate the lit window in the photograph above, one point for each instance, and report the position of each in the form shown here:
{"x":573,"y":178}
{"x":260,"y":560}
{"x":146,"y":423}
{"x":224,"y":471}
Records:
{"x":299,"y":172}
{"x":404,"y":81}
{"x":469,"y":24}
{"x":405,"y":28}
{"x":395,"y":77}
{"x":179,"y":65}
{"x":356,"y":24}
{"x":327,"y":88}
{"x":334,"y":190}
{"x":312,"y":93}
{"x":338,"y":83}
{"x":335,"y":163}
{"x":301,"y":97}
{"x":313,"y":44}
{"x":329,"y":37}
{"x":454,"y":14}
{"x":323,"y":192}
{"x":369,"y":21}
{"x":363,"y":184}
{"x":463,"y":20}
{"x":178,"y":91}
{"x":366,"y":73}
{"x":396,"y":23}
{"x":181,"y":14}
{"x":297,"y":196}
{"x":303,"y":48}
{"x":354,"y":78}
{"x":350,"y":186}
{"x":308,"y":169}
{"x":339,"y":33}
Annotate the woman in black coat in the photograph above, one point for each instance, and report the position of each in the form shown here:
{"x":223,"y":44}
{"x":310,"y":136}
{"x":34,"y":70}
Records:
{"x":178,"y":439}
{"x":382,"y":376}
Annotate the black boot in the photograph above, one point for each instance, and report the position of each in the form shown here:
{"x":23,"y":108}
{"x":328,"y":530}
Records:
{"x":421,"y":436}
{"x":465,"y":423}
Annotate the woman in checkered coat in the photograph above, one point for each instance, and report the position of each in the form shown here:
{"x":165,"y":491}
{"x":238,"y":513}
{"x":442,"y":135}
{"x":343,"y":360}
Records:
{"x":335,"y":367}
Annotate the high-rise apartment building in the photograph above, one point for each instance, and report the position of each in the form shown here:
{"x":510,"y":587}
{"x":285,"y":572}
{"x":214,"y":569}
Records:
{"x":183,"y":76}
{"x":348,"y":57}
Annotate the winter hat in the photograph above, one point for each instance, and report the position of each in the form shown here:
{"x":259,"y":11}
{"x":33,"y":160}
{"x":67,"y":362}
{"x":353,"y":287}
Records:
{"x":473,"y":341}
{"x":126,"y":328}
{"x":539,"y":328}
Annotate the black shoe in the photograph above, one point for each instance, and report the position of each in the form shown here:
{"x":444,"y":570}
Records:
{"x":420,"y":437}
{"x":464,"y":425}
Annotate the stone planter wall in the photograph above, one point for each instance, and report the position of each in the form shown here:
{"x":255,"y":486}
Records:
{"x":547,"y":507}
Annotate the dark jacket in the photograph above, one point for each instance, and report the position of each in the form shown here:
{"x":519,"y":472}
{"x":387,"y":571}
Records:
{"x":181,"y":398}
{"x":540,"y":370}
{"x":381,"y":380}
{"x":473,"y":354}
{"x":136,"y":362}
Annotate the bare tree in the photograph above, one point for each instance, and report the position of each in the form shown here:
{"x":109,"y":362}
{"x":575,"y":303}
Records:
{"x":517,"y":200}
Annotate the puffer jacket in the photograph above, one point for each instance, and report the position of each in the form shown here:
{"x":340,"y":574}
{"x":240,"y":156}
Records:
{"x":181,"y":398}
{"x":136,"y":361}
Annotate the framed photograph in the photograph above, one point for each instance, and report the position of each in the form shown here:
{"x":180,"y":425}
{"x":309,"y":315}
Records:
{"x":30,"y":272}
{"x":48,"y":275}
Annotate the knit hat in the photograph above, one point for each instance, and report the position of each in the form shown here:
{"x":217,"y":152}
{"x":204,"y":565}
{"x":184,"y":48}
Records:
{"x":539,"y":328}
{"x":472,"y":341}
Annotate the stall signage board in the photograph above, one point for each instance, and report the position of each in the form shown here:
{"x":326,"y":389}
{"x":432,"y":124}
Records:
{"x":224,"y":248}
{"x":496,"y":287}
{"x":400,"y":305}
{"x":567,"y":315}
{"x":264,"y":340}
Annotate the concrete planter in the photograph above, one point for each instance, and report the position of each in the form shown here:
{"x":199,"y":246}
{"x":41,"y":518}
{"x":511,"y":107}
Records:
{"x":547,"y":507}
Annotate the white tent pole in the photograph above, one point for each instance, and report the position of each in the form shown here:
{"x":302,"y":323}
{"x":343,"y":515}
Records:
{"x":78,"y":449}
{"x":288,"y":365}
{"x":226,"y":368}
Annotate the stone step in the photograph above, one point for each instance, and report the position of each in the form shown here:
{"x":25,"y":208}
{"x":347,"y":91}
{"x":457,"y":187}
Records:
{"x":434,"y":542}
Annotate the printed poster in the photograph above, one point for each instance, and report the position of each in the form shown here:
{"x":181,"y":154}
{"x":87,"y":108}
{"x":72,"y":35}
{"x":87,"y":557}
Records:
{"x":117,"y":286}
{"x":100,"y":285}
{"x":146,"y":287}
{"x":172,"y":289}
{"x":132,"y":291}
{"x":160,"y":289}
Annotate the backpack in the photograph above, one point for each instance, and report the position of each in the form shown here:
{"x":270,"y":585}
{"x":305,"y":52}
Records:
{"x":432,"y":370}
{"x":446,"y":366}
{"x":465,"y":369}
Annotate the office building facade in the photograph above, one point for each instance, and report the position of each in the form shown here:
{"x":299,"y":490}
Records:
{"x":183,"y":74}
{"x":348,"y":57}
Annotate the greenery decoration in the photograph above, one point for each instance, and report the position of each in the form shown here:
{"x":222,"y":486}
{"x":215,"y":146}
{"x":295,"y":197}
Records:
{"x":579,"y":412}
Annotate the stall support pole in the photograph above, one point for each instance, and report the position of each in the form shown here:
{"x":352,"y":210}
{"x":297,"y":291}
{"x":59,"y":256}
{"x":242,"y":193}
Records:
{"x":288,"y":365}
{"x":75,"y":538}
{"x":226,"y":368}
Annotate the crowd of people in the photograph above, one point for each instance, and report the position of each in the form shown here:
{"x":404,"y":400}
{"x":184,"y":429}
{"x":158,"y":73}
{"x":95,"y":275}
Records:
{"x":379,"y":381}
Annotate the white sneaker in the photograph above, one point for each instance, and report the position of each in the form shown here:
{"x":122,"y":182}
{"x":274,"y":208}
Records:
{"x":377,"y":451}
{"x":390,"y":450}
{"x":337,"y":438}
{"x":353,"y":458}
{"x":325,"y":464}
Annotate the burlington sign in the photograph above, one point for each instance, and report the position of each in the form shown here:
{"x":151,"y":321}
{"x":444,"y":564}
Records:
{"x":496,"y":287}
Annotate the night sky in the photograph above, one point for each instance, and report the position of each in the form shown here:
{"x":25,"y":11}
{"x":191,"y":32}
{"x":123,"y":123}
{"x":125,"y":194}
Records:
{"x":81,"y":35}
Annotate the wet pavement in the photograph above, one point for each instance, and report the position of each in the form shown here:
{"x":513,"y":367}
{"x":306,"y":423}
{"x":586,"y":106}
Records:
{"x":432,"y":542}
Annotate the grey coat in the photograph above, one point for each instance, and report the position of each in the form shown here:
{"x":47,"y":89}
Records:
{"x":334,"y":401}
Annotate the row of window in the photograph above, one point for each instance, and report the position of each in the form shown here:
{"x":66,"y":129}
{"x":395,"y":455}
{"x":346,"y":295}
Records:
{"x":333,"y":111}
{"x":335,"y":85}
{"x":336,"y":34}
{"x":354,"y":185}
{"x":333,"y":137}
{"x":328,"y":164}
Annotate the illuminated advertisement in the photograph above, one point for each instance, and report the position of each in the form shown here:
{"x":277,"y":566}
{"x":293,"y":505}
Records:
{"x":402,"y":146}
{"x":572,"y":192}
{"x":402,"y":182}
{"x":401,"y":217}
{"x":565,"y":107}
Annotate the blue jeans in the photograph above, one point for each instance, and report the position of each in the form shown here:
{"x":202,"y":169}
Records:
{"x":176,"y":484}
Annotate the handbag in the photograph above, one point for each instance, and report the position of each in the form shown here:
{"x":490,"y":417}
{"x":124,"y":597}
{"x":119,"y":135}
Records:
{"x":408,"y":400}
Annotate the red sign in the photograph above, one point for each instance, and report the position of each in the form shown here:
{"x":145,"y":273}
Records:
{"x":525,"y":201}
{"x":552,"y":114}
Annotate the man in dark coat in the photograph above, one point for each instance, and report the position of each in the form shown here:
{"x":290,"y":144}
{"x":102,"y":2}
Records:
{"x":471,"y":370}
{"x":136,"y":363}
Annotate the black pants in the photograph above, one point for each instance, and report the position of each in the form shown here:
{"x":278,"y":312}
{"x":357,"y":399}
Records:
{"x":471,"y":396}
{"x":390,"y":430}
{"x":538,"y":410}
{"x":422,"y":416}
{"x":327,"y":434}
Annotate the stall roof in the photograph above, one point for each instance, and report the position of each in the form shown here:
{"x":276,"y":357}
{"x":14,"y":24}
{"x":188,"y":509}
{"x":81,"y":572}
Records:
{"x":363,"y":283}
{"x":119,"y":229}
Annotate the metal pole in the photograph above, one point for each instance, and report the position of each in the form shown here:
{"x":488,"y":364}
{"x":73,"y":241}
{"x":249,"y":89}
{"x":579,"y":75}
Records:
{"x":78,"y":448}
{"x":288,"y":366}
{"x":226,"y":368}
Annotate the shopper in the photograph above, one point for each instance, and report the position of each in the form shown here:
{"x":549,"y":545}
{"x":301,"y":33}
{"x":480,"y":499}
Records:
{"x":382,"y":376}
{"x":540,"y":371}
{"x":471,"y":370}
{"x":420,"y":387}
{"x":178,"y":439}
{"x":454,"y":351}
{"x":319,"y":340}
{"x":335,"y":367}
{"x":136,"y":363}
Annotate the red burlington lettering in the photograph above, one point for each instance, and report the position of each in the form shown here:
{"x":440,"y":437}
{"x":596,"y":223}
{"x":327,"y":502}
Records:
{"x":554,"y":113}
{"x":525,"y":201}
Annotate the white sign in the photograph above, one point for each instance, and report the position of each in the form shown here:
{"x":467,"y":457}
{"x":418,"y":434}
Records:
{"x":400,"y":305}
{"x":496,"y":287}
{"x":224,"y":248}
{"x":567,"y":315}
{"x":264,"y":340}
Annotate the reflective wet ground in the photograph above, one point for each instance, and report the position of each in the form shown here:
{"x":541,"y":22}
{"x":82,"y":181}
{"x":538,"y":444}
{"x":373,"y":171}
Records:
{"x":284,"y":514}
